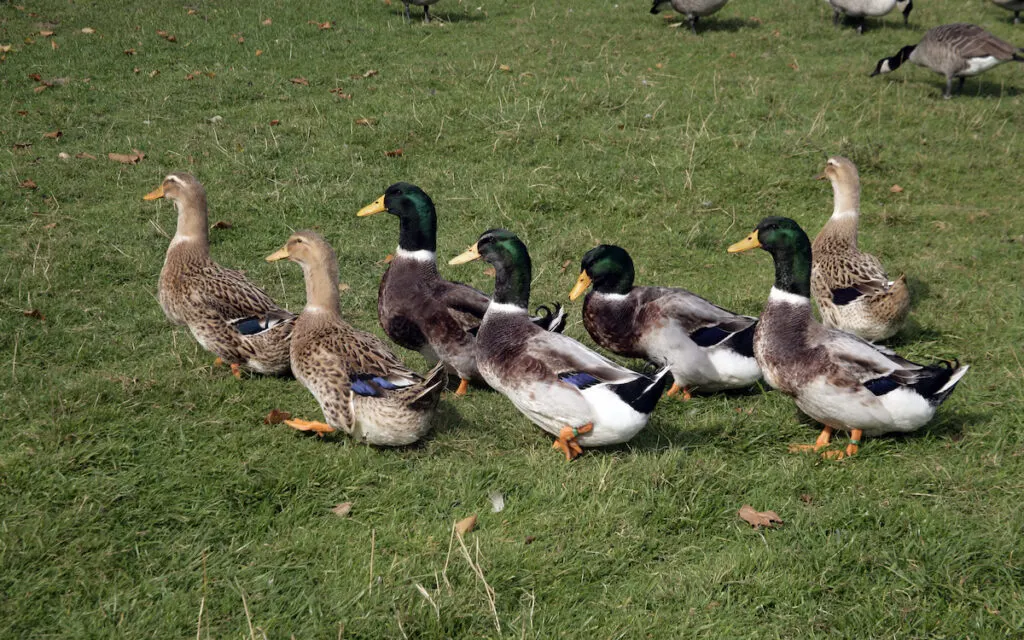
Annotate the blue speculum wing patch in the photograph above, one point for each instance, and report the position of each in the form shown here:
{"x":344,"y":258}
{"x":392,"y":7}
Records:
{"x":709,"y":336}
{"x":365,"y":384}
{"x":579,"y":379}
{"x":881,"y":386}
{"x":249,"y":326}
{"x":841,"y":297}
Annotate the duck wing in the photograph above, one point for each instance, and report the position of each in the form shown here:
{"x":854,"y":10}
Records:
{"x":572,"y":362}
{"x":228,"y":294}
{"x":706,"y":323}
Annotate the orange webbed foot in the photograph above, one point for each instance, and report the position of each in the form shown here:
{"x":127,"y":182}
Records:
{"x":823,"y":439}
{"x":675,"y":388}
{"x":319,"y":428}
{"x":566,"y":440}
{"x":236,"y":371}
{"x":463,"y":387}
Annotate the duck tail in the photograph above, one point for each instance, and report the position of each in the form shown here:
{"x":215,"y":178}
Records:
{"x":937,"y":387}
{"x":643,"y":393}
{"x":742,"y":342}
{"x":428,"y":392}
{"x":549,"y":320}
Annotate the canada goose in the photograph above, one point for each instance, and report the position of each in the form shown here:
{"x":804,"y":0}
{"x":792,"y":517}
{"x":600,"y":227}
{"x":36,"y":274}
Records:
{"x":868,"y":8}
{"x":851,"y":288}
{"x":1016,"y":6}
{"x":954,"y":50}
{"x":419,"y":3}
{"x":692,"y":9}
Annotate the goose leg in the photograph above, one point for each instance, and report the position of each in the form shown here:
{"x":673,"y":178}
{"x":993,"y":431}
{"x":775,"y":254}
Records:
{"x":406,"y":12}
{"x":949,"y":88}
{"x":676,"y":389}
{"x":320,"y":428}
{"x":693,"y":23}
{"x":1016,"y":17}
{"x":960,"y":87}
{"x":463,"y":387}
{"x":823,"y":439}
{"x":426,"y":14}
{"x":566,"y":440}
{"x":835,"y":18}
{"x":860,"y":26}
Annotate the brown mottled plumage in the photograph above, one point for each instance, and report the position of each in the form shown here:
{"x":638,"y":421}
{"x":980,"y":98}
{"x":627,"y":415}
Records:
{"x":229,"y":316}
{"x":362,"y":387}
{"x":851,"y":288}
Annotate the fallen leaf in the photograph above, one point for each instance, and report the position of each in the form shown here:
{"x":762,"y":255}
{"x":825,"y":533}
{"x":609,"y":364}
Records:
{"x":301,"y":81}
{"x":464,"y":526}
{"x":259,"y":52}
{"x":154,"y":73}
{"x":22,"y":113}
{"x":28,"y":184}
{"x":369,"y":73}
{"x":222,"y":224}
{"x":342,"y":510}
{"x":88,"y":30}
{"x":756,"y":19}
{"x":529,"y":539}
{"x":166,"y":36}
{"x":338,"y":91}
{"x":565,"y":265}
{"x":489,"y":271}
{"x":53,"y":135}
{"x":268,"y":22}
{"x":29,"y":41}
{"x":276,"y":416}
{"x":191,"y":12}
{"x":84,"y":155}
{"x":64,"y":156}
{"x":274,"y":123}
{"x":397,"y":153}
{"x":794,"y":66}
{"x":129,"y":52}
{"x":134,"y":157}
{"x":36,"y":77}
{"x":241,"y":39}
{"x":343,"y":287}
{"x":136,"y":70}
{"x":504,"y":67}
{"x":5,"y":48}
{"x":46,"y":34}
{"x":41,"y":88}
{"x":52,"y":225}
{"x":806,"y":498}
{"x":759,"y":518}
{"x":38,"y":315}
{"x":54,"y":45}
{"x":366,"y":122}
{"x":896,"y":188}
{"x":325,"y":25}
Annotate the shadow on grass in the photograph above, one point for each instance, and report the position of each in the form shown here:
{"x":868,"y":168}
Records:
{"x":416,"y":15}
{"x":712,"y":24}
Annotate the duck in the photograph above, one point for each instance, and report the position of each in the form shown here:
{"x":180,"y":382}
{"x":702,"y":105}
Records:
{"x":862,"y":9}
{"x":705,"y":346}
{"x":838,"y":379}
{"x":569,"y":391}
{"x":955,"y":51}
{"x":694,"y":10}
{"x":227,"y":314}
{"x":851,"y":288}
{"x":363,"y":389}
{"x":1016,"y":6}
{"x":419,"y":3}
{"x":417,"y":308}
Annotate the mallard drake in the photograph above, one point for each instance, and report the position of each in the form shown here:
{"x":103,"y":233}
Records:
{"x":419,"y":309}
{"x":362,"y":387}
{"x":851,"y":288}
{"x":836,"y":378}
{"x":954,"y":50}
{"x":694,"y":10}
{"x":704,"y":345}
{"x":862,"y":9}
{"x":229,"y":316}
{"x":580,"y":397}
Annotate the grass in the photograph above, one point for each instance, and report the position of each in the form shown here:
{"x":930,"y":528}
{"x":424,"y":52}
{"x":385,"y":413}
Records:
{"x":142,"y":495}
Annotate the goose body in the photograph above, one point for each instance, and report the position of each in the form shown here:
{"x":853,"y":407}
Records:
{"x":227,"y":314}
{"x":705,"y":346}
{"x":868,"y":9}
{"x":419,"y":3}
{"x":362,"y":388}
{"x":580,"y":397}
{"x":694,"y":10}
{"x":955,"y":51}
{"x":836,"y":378}
{"x":417,"y":308}
{"x":851,"y":287}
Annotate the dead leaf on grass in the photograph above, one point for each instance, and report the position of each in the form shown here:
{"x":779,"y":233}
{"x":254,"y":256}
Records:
{"x":366,"y":122}
{"x":276,"y":416}
{"x":54,"y":45}
{"x":268,"y":22}
{"x":52,"y":225}
{"x":321,"y":25}
{"x":34,"y":313}
{"x":259,"y":52}
{"x":464,"y":526}
{"x":343,"y":287}
{"x":22,"y":145}
{"x":896,"y":188}
{"x":154,"y":73}
{"x":342,"y":510}
{"x":565,"y":265}
{"x":166,"y":36}
{"x":489,"y":271}
{"x":53,"y":135}
{"x":274,"y":123}
{"x":88,"y":30}
{"x":759,"y":519}
{"x":806,"y":498}
{"x":46,"y":34}
{"x":222,"y":224}
{"x":338,"y":91}
{"x":134,"y":157}
{"x":369,"y":73}
{"x":5,"y":48}
{"x":301,"y":81}
{"x":28,"y":184}
{"x":397,"y":153}
{"x":504,"y":67}
{"x":64,"y":156}
{"x":129,"y":52}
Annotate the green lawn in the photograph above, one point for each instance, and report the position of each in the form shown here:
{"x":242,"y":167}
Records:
{"x":141,"y":494}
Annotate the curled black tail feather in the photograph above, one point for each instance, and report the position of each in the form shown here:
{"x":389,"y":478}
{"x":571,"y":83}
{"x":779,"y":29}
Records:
{"x":550,"y":320}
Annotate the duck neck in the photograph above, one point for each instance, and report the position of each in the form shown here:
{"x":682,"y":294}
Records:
{"x":617,"y":283}
{"x":192,"y":224}
{"x":322,"y":287}
{"x":793,"y":267}
{"x":417,"y":230}
{"x":845,"y":213}
{"x":512,"y":276}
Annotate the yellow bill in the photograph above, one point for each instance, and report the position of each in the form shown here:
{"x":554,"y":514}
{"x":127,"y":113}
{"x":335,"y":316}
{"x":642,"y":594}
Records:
{"x":155,"y":194}
{"x":280,"y":254}
{"x":377,"y":206}
{"x":750,"y":242}
{"x":469,"y":255}
{"x":582,"y":284}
